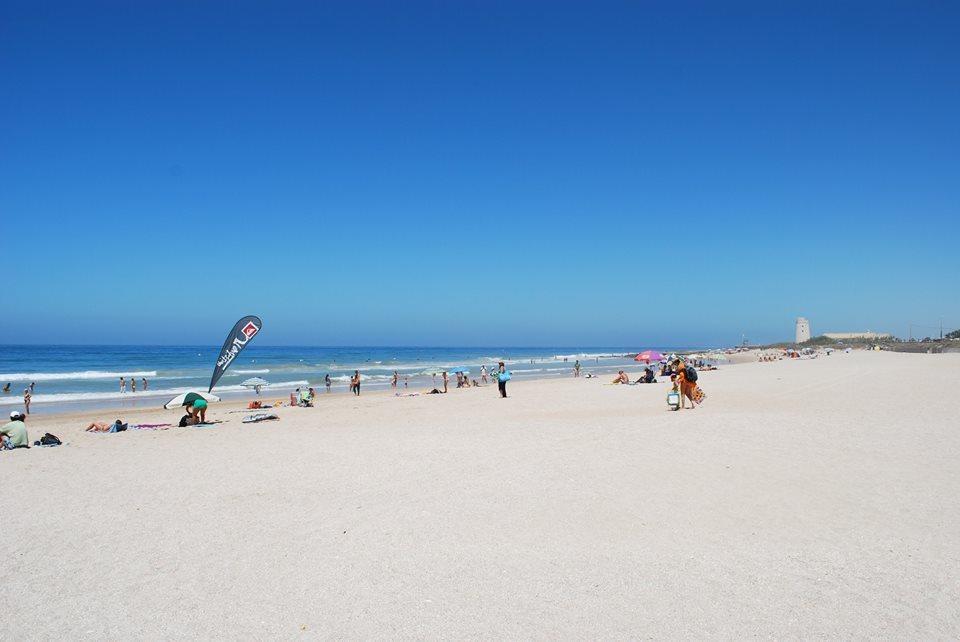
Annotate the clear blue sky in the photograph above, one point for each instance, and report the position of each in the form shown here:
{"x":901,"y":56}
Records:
{"x":477,"y":173}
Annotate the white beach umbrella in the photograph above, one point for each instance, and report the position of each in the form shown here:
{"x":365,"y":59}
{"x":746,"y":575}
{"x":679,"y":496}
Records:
{"x":253,"y":382}
{"x":188,"y":398}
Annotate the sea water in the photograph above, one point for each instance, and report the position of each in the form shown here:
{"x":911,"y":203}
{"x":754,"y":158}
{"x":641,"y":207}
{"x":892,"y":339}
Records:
{"x":79,"y":377}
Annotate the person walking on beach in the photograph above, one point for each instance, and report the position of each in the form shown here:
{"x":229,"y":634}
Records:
{"x":503,"y":376}
{"x":355,"y":383}
{"x":144,"y":384}
{"x":446,"y":380}
{"x":687,"y":382}
{"x":393,"y":382}
{"x":483,"y":374}
{"x":27,"y":396}
{"x":576,"y":368}
{"x":327,"y":382}
{"x":123,"y":385}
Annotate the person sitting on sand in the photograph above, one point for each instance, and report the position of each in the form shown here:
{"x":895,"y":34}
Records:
{"x":647,"y":376}
{"x":621,"y":378}
{"x":13,"y":434}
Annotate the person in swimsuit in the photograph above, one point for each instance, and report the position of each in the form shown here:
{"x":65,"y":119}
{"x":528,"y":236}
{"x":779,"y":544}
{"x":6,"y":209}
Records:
{"x":446,"y":380}
{"x":27,"y":397}
{"x":327,"y":382}
{"x":199,"y":411}
{"x":355,"y":383}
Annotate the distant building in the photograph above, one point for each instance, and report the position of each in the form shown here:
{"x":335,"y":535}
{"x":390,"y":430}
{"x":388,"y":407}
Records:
{"x":857,"y":335}
{"x":803,"y":330}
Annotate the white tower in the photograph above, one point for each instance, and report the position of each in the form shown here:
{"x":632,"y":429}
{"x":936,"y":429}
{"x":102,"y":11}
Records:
{"x":803,"y":330}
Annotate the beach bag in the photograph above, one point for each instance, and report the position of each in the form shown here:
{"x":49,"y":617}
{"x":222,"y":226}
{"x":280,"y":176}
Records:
{"x":690,"y":373}
{"x":673,"y":400}
{"x":50,"y":440}
{"x":503,"y":376}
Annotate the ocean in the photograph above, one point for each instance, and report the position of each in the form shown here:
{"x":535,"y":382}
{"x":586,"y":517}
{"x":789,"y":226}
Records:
{"x":80,"y":377}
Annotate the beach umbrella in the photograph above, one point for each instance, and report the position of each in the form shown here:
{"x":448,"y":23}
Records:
{"x":253,"y":382}
{"x":187,"y":398}
{"x":648,"y":355}
{"x":716,"y":357}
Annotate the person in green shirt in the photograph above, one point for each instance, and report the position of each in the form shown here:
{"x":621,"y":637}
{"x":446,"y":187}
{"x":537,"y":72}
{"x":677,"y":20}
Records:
{"x":14,"y":433}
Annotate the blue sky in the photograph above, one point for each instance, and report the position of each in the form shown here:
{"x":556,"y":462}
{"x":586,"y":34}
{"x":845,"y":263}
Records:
{"x":466,"y":173}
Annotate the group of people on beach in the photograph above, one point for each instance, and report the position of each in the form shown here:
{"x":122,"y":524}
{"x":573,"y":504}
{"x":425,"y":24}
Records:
{"x":133,"y":384}
{"x":502,"y":376}
{"x":683,"y":379}
{"x":27,"y":395}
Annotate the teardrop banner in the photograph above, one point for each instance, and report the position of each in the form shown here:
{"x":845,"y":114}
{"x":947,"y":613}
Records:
{"x":244,"y":330}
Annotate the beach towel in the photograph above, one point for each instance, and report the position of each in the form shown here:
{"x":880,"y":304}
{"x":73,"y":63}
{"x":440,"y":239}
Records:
{"x":260,"y":416}
{"x":699,"y":395}
{"x":148,"y":426}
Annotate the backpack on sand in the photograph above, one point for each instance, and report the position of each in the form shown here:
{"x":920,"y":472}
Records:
{"x":50,"y":440}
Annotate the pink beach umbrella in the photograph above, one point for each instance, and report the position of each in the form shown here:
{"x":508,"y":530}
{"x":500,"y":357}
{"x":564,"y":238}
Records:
{"x":648,"y":356}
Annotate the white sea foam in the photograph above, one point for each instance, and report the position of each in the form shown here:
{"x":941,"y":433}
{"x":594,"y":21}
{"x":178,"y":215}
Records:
{"x":593,"y":355}
{"x":260,"y":371}
{"x":150,"y":394}
{"x":67,"y":376}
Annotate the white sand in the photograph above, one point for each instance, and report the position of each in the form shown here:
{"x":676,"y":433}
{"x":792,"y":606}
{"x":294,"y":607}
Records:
{"x":803,"y":499}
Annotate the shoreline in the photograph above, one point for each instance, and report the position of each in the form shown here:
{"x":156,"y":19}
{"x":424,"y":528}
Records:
{"x":133,"y":402}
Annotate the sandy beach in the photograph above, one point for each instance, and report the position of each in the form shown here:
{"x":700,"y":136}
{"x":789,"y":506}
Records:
{"x":804,"y":498}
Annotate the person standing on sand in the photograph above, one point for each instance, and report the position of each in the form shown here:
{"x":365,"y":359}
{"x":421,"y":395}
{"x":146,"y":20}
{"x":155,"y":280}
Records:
{"x":355,"y":383}
{"x":327,"y":382}
{"x":446,"y":380}
{"x":483,"y":374}
{"x":393,"y":382}
{"x":503,"y":376}
{"x":688,"y":388}
{"x":26,"y":399}
{"x":123,"y":385}
{"x":576,"y":368}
